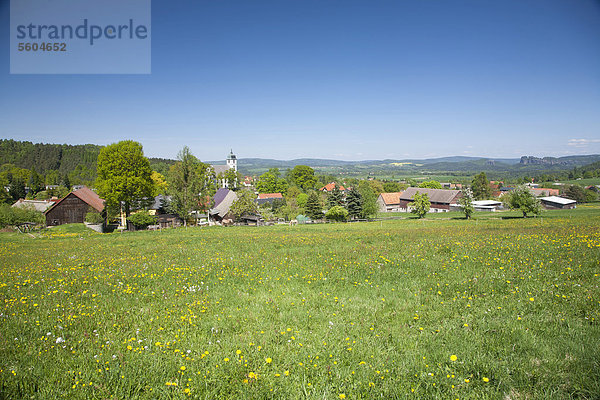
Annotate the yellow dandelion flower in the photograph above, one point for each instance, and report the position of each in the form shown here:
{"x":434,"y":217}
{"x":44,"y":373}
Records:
{"x":453,"y":357}
{"x":342,"y":396}
{"x":486,"y":379}
{"x":269,"y":360}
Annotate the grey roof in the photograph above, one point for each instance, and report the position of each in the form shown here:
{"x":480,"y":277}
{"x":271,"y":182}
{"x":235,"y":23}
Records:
{"x":558,"y":200}
{"x":220,"y":169}
{"x":223,"y":207}
{"x":38,"y":205}
{"x":435,"y":195}
{"x":220,"y":195}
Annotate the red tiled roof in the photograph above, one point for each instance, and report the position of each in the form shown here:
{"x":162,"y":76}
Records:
{"x":544,"y":192}
{"x":90,"y":197}
{"x":391,"y":198}
{"x":270,"y":196}
{"x":329,"y":187}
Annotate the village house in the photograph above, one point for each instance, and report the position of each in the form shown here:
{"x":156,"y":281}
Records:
{"x":164,"y":219}
{"x":73,"y":207}
{"x":37,"y":205}
{"x":448,"y":185}
{"x":543,"y":192}
{"x":248,"y":181}
{"x":268,"y":198}
{"x":389,"y":202}
{"x":441,"y":199}
{"x":537,"y":192}
{"x":330,"y":186}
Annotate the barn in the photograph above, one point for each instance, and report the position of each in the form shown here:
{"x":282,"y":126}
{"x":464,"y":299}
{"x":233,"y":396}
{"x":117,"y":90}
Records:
{"x":441,"y":199}
{"x":223,"y":200}
{"x":72,"y":208}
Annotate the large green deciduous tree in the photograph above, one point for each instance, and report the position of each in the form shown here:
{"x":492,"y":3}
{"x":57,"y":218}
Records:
{"x":392,"y":187}
{"x":301,"y":200}
{"x":244,"y":205}
{"x":481,"y":187}
{"x":420,"y":205}
{"x":575,"y":192}
{"x":232,"y":178}
{"x":369,"y":199}
{"x":522,"y":199}
{"x":271,"y":182}
{"x":124,"y":175}
{"x":303,"y":176}
{"x":190,"y":184}
{"x":430,"y":185}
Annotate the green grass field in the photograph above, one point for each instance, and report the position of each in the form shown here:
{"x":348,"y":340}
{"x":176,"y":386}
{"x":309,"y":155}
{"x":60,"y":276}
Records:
{"x":435,"y":308}
{"x":583,"y":182}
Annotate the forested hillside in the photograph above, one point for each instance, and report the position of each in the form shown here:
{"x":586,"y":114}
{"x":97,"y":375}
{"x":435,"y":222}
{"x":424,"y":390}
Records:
{"x":62,"y":158}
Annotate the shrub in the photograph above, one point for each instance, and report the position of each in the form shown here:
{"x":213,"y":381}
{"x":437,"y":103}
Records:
{"x":141,"y":220}
{"x":337,"y":213}
{"x":10,"y":216}
{"x":94,"y":217}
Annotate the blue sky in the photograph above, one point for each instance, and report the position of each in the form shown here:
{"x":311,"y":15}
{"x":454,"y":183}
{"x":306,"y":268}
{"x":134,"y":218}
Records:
{"x":348,"y":80}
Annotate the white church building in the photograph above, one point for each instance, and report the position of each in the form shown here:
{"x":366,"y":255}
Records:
{"x":220,"y":170}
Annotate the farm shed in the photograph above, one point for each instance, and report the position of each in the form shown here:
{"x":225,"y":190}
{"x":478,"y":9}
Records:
{"x":555,"y":202}
{"x":440,"y":199}
{"x":487,"y":205}
{"x":72,"y":208}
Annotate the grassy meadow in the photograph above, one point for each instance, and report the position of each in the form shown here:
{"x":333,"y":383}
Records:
{"x":438,"y":308}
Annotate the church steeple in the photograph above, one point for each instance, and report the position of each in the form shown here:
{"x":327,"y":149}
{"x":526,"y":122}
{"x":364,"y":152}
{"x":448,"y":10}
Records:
{"x":232,"y":161}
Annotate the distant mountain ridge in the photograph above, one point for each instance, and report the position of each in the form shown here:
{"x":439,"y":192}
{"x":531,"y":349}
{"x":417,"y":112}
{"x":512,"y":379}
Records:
{"x":65,"y":158}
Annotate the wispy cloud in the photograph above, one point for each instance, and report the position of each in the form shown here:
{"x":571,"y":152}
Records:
{"x":582,"y":142}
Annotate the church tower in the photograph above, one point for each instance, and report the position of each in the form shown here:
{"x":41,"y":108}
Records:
{"x":232,"y":161}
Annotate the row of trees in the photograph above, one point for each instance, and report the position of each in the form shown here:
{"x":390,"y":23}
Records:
{"x":358,"y":202}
